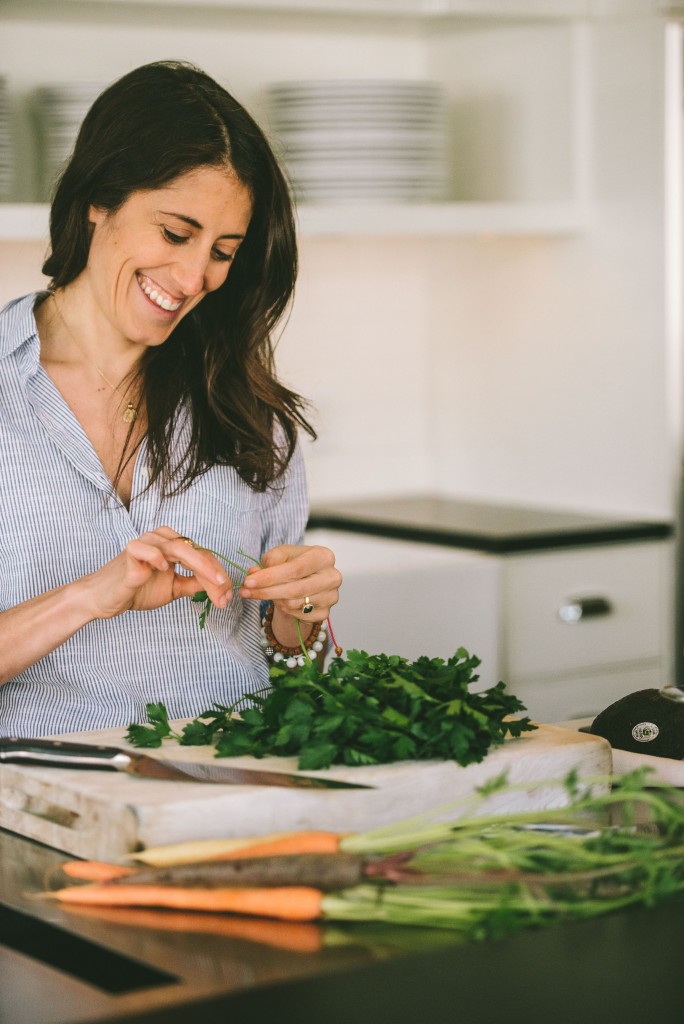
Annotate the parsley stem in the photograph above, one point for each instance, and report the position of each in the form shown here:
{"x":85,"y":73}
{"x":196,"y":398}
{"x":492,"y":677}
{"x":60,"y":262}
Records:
{"x":229,"y":561}
{"x":301,"y":641}
{"x":250,"y":558}
{"x":202,"y":595}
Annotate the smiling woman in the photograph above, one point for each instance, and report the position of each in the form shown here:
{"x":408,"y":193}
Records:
{"x":142,"y":426}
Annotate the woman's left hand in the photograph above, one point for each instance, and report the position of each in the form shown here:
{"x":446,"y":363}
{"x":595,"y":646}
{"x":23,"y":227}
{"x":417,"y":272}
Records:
{"x":292,"y":575}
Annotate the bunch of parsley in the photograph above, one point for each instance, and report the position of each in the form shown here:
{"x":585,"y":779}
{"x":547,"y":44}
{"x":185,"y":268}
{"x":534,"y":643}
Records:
{"x":364,"y":709}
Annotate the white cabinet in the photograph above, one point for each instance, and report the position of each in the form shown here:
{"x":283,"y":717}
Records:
{"x":583,"y":627}
{"x":416,"y":599}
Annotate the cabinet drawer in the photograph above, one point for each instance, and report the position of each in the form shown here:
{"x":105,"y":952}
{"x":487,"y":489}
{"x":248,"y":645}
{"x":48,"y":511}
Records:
{"x":556,"y":698}
{"x":627,"y":585}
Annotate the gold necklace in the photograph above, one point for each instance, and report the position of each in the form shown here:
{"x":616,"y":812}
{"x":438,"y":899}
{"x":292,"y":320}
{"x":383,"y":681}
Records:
{"x":130,"y":412}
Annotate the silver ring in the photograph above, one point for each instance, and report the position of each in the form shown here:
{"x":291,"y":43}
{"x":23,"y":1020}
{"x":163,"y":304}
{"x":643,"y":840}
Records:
{"x":307,"y":607}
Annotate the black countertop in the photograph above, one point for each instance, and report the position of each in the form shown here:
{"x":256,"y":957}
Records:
{"x":68,"y":967}
{"x":499,"y":529}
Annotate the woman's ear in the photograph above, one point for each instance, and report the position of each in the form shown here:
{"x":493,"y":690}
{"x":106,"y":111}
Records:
{"x":96,"y":215}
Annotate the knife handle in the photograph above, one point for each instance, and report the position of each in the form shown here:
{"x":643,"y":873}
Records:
{"x":61,"y":754}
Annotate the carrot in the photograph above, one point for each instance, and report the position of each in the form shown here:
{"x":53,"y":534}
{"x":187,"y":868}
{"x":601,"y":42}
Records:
{"x":286,"y":903}
{"x":325,"y":871}
{"x":94,"y":870}
{"x":294,"y":936}
{"x":290,"y":843}
{"x":255,"y":846}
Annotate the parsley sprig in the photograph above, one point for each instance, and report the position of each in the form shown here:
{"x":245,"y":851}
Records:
{"x":364,"y":709}
{"x":201,"y":597}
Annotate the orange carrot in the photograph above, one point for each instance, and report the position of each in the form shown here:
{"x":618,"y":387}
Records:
{"x":286,"y":903}
{"x":255,"y":846}
{"x":291,"y":843}
{"x":294,"y":936}
{"x":94,"y":870}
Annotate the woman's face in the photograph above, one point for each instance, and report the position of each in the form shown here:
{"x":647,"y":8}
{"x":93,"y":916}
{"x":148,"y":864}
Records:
{"x":158,"y":255}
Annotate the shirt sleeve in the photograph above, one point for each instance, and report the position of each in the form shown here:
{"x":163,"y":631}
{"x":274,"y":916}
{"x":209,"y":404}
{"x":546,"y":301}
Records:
{"x":286,"y":505}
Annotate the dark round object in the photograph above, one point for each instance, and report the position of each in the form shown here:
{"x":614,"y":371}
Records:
{"x":644,"y":722}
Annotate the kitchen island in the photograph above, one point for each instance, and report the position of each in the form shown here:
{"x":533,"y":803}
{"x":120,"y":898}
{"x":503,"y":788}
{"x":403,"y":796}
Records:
{"x":483,"y":526}
{"x":69,"y":967}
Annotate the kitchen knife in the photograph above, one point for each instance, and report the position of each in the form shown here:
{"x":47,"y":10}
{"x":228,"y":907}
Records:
{"x":65,"y":754}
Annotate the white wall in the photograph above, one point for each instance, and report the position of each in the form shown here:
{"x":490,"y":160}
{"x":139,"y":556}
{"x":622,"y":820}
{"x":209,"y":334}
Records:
{"x":526,"y":370}
{"x":558,"y":349}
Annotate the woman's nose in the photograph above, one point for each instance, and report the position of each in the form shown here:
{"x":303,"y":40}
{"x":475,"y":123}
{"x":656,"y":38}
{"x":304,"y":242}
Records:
{"x":190,"y":273}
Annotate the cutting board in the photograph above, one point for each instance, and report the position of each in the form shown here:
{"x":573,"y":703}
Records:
{"x":107,"y":815}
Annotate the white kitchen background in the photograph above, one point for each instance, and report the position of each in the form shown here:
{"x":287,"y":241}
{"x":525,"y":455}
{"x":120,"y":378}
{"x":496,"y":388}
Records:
{"x":519,"y":342}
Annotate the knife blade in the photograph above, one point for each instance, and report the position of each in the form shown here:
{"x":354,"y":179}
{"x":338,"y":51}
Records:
{"x":67,"y":754}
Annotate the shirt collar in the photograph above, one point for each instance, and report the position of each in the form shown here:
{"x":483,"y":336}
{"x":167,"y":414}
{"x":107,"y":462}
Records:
{"x":18,"y":330}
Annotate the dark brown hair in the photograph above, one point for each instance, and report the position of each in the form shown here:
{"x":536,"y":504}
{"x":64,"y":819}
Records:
{"x":154,"y":124}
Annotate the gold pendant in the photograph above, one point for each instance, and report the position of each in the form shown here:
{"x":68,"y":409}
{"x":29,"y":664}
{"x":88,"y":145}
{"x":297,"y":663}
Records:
{"x":129,"y":413}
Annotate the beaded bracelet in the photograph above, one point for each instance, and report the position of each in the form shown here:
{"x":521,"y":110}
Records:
{"x":293,"y":657}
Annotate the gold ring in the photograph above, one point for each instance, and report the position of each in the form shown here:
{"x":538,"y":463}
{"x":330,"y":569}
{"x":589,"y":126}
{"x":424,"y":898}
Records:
{"x":186,"y":540}
{"x":307,"y":607}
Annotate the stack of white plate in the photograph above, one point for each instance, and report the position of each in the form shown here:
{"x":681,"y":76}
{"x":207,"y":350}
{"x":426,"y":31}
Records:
{"x":361,"y":139}
{"x":60,"y":110}
{"x":6,"y":143}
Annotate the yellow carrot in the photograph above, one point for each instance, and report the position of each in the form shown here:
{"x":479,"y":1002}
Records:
{"x":285,"y":903}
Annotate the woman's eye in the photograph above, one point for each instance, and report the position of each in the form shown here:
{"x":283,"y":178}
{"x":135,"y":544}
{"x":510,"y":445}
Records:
{"x":222,"y":257}
{"x":173,"y":238}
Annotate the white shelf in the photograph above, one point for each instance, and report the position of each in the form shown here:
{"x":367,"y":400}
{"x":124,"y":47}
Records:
{"x":424,"y":9}
{"x":441,"y":219}
{"x":26,"y":222}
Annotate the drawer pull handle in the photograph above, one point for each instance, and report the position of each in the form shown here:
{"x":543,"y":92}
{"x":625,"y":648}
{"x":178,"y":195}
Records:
{"x":581,"y":608}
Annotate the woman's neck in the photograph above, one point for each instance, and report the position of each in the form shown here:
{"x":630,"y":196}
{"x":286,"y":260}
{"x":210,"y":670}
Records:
{"x":73,"y":329}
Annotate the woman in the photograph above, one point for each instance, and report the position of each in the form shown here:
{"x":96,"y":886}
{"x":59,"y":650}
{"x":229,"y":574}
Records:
{"x":142,"y":430}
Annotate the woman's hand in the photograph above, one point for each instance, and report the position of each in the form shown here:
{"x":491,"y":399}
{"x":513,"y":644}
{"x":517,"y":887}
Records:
{"x":144,"y":575}
{"x":290,"y":577}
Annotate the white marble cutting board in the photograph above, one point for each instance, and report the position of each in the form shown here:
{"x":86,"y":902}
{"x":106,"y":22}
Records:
{"x":107,"y":815}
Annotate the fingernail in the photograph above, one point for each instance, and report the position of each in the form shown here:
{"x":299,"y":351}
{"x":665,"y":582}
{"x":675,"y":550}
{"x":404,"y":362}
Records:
{"x":222,"y":601}
{"x":220,"y":577}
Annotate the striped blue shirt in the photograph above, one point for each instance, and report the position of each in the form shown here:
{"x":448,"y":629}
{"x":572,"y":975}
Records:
{"x":60,"y":519}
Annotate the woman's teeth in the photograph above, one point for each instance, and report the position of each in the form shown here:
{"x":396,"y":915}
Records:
{"x":159,"y":297}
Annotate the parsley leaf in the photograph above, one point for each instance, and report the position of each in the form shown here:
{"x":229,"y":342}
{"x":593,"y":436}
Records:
{"x":152,"y":735}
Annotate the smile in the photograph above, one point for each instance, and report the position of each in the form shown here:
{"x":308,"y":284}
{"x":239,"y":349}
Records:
{"x":155,"y":293}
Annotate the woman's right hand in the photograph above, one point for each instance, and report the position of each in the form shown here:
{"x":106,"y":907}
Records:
{"x":143,"y":576}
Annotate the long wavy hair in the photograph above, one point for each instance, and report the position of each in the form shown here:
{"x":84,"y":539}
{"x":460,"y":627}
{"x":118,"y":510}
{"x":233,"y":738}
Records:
{"x":146,"y":129}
